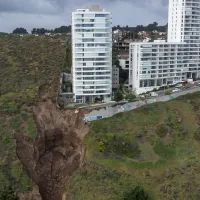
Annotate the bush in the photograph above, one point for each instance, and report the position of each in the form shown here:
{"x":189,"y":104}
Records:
{"x":164,"y":151}
{"x":136,"y":194}
{"x":167,"y":93}
{"x":162,"y":130}
{"x":196,"y":135}
{"x":100,"y":146}
{"x":16,"y":123}
{"x":10,"y":108}
{"x":8,"y":194}
{"x":32,"y":129}
{"x":130,"y":97}
{"x":118,"y":96}
{"x":118,"y":144}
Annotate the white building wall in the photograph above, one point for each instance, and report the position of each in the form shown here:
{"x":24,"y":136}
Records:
{"x":175,"y":17}
{"x":92,"y":54}
{"x":115,"y":77}
{"x":180,"y":57}
{"x":124,"y":63}
{"x":156,"y":64}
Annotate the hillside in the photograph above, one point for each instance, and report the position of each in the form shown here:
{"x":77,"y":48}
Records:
{"x":29,"y":72}
{"x":156,"y":147}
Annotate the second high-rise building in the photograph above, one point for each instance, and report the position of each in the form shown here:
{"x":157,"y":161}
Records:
{"x":161,"y":63}
{"x":92,"y":54}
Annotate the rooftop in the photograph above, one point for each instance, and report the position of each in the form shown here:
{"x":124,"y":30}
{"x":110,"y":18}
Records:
{"x":92,"y":8}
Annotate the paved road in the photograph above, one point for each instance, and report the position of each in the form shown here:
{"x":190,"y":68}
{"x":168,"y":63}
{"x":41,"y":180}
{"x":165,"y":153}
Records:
{"x":109,"y":111}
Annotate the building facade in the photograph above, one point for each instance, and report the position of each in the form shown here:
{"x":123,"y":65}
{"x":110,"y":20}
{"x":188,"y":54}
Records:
{"x":155,"y":64}
{"x":92,"y":54}
{"x":160,"y":63}
{"x":124,"y":63}
{"x":115,"y":77}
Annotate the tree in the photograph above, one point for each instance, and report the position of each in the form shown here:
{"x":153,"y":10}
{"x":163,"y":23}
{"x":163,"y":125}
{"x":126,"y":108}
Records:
{"x":68,"y":60}
{"x":155,"y":24}
{"x":130,"y":97}
{"x":41,"y":31}
{"x":118,"y":27}
{"x":62,"y":29}
{"x":127,"y":28}
{"x":20,"y":31}
{"x":123,"y":74}
{"x":136,"y":194}
{"x":8,"y":194}
{"x":118,"y":96}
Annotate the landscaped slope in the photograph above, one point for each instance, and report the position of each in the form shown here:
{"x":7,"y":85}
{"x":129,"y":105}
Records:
{"x":156,"y":147}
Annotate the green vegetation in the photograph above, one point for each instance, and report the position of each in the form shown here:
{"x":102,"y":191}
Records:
{"x":167,"y":93}
{"x":8,"y":194}
{"x":111,"y":144}
{"x":68,"y":60}
{"x":155,"y":147}
{"x":118,"y":96}
{"x":29,"y":71}
{"x":28,"y":67}
{"x":162,"y":130}
{"x":136,"y":194}
{"x":166,"y":153}
{"x":32,"y":129}
{"x":20,"y":31}
{"x":130,"y":97}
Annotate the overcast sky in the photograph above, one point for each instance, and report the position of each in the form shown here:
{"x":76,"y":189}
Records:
{"x":54,"y":13}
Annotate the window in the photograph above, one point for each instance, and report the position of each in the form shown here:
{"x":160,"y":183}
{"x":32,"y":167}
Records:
{"x":100,"y":15}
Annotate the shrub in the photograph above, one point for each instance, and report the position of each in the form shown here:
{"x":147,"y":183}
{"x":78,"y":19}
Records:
{"x":162,"y":130}
{"x":118,"y":96}
{"x":32,"y":129}
{"x":167,"y":93}
{"x":136,"y":194}
{"x":196,"y":135}
{"x":16,"y":123}
{"x":130,"y":97}
{"x":118,"y":144}
{"x":10,"y":108}
{"x":100,"y":146}
{"x":24,"y":116}
{"x":8,"y":194}
{"x":164,"y":151}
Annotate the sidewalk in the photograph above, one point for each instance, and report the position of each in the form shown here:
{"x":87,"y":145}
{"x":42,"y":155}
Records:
{"x":107,"y":111}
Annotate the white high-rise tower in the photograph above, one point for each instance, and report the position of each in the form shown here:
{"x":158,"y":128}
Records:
{"x":184,"y":21}
{"x":92,"y":54}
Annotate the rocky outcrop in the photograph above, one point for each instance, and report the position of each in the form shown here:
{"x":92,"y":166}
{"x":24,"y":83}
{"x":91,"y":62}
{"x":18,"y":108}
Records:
{"x":57,"y":152}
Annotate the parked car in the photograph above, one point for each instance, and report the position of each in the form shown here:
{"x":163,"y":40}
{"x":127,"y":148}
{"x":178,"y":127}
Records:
{"x":176,"y":90}
{"x":178,"y":85}
{"x":154,"y":94}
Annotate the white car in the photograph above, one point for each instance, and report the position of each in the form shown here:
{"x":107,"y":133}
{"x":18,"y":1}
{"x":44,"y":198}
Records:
{"x":179,"y":85}
{"x":176,"y":90}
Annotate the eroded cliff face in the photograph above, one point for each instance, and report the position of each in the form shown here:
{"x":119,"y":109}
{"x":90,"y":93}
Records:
{"x":58,"y":150}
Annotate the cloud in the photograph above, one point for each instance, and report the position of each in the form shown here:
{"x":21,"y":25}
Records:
{"x":53,"y":13}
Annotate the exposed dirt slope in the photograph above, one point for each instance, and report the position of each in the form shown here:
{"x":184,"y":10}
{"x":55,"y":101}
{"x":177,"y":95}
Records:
{"x":58,"y":150}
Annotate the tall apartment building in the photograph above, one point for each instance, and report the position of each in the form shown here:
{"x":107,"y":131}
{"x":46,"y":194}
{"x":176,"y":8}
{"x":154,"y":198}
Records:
{"x":160,"y":63}
{"x":92,"y":54}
